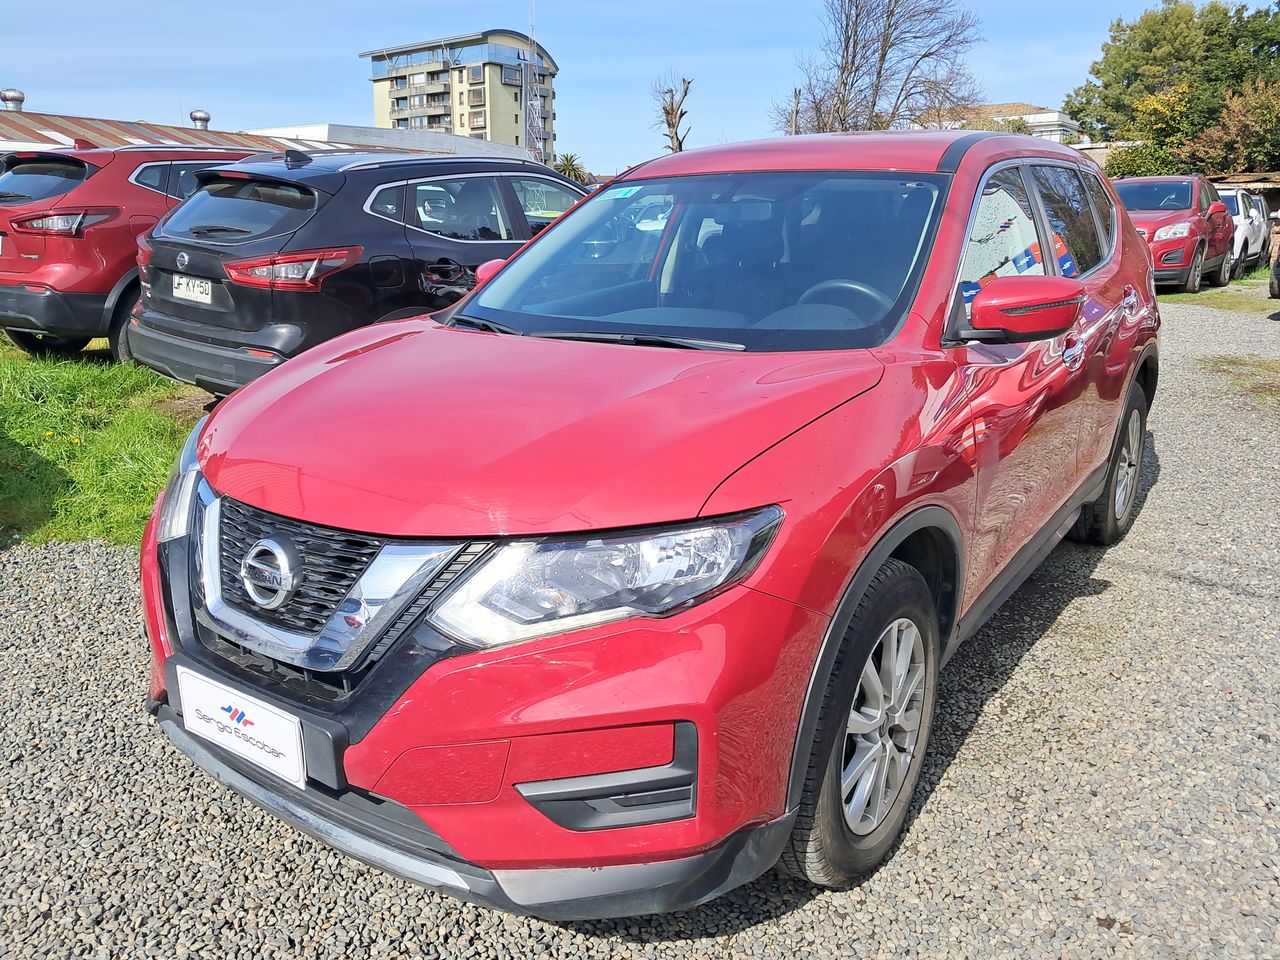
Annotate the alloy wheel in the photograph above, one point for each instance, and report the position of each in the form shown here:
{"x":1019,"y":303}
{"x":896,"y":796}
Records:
{"x":1128,"y":464}
{"x":884,"y":726}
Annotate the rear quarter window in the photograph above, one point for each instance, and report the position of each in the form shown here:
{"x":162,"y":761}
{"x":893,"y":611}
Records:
{"x":40,"y":178}
{"x":236,"y":211}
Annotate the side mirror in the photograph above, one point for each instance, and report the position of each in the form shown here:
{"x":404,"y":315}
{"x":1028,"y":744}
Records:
{"x":1022,"y":309}
{"x":1274,"y":215}
{"x":1216,"y":208}
{"x":486,"y":270}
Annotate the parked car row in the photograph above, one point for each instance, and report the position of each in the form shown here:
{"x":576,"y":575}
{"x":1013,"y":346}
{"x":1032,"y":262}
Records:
{"x":1196,"y":231}
{"x":228,"y":264}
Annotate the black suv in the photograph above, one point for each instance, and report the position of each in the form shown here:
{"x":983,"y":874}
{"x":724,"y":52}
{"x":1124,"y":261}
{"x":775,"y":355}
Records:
{"x":282,"y":251}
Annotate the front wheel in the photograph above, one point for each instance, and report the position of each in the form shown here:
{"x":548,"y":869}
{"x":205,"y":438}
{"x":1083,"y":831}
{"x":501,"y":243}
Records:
{"x":872,"y":733}
{"x":1108,"y":518}
{"x":1221,"y":275}
{"x":1194,"y":272}
{"x":46,"y":345}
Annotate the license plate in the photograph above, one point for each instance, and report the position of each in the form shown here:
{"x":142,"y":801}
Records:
{"x":246,"y":726}
{"x":193,"y":289}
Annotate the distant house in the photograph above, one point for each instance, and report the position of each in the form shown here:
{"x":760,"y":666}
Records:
{"x":1044,"y":123}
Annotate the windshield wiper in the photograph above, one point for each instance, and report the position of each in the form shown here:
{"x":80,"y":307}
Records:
{"x":490,"y":326}
{"x":10,"y":195}
{"x":641,"y":339}
{"x":201,"y":229}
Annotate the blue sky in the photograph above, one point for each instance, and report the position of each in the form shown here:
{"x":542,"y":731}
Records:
{"x":286,"y":62}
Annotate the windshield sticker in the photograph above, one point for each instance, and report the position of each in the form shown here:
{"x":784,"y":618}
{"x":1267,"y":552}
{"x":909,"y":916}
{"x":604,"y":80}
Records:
{"x":619,"y":193}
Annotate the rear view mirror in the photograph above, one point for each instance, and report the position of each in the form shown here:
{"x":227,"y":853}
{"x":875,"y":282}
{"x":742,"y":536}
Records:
{"x":1022,"y":309}
{"x":486,"y":270}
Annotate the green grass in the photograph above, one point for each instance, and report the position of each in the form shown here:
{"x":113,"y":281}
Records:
{"x":1246,"y":295}
{"x":1254,"y":376}
{"x":85,"y":445}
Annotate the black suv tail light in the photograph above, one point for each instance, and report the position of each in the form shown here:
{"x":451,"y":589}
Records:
{"x":301,"y":271}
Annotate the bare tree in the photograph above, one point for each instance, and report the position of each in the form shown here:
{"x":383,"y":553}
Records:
{"x":884,"y":64}
{"x":669,"y":102}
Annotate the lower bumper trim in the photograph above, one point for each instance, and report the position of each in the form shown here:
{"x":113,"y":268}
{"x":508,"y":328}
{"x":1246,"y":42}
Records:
{"x":45,"y":310}
{"x":220,"y":370}
{"x":576,"y":893}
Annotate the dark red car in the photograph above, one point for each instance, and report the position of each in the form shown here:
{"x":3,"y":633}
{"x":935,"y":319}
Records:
{"x":630,"y":576}
{"x":1186,"y":224}
{"x":69,"y":226}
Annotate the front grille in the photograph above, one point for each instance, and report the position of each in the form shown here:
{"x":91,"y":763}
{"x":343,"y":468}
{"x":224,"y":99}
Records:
{"x":332,"y":562}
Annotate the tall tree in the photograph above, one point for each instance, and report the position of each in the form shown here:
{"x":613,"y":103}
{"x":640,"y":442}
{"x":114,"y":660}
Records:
{"x":883,"y":64}
{"x":669,"y":95}
{"x":1198,"y":52}
{"x":570,"y":165}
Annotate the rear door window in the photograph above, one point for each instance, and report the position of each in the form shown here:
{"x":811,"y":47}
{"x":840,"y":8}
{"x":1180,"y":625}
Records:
{"x":40,"y":178}
{"x":182,"y":176}
{"x":1104,"y":207}
{"x":236,"y":211}
{"x":1003,"y":241}
{"x":542,"y":200}
{"x":463,"y":208}
{"x":1075,"y":233}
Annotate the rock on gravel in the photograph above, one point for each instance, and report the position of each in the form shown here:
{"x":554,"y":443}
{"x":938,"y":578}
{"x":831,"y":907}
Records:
{"x":1102,"y":779}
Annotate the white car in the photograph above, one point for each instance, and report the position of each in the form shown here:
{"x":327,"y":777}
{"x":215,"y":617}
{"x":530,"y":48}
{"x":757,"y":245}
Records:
{"x":1253,"y":232}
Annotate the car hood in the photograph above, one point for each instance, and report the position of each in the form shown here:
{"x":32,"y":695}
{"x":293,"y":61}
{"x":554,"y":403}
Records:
{"x":1153,"y":220}
{"x":414,"y":429}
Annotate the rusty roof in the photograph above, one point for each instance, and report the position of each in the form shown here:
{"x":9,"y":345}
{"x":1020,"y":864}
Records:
{"x":22,"y":129}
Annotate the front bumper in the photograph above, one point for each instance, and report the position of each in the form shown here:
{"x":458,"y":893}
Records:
{"x":212,"y":367}
{"x":547,"y":768}
{"x":555,"y":894}
{"x":41,"y":309}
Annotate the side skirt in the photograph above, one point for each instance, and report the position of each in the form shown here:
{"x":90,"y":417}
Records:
{"x":1024,"y":562}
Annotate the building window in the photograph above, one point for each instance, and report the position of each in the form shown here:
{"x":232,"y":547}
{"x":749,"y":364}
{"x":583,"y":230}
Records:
{"x":461,"y":75}
{"x":417,"y":79}
{"x":476,"y":118}
{"x":476,"y":74}
{"x":462,"y":98}
{"x":517,"y":139}
{"x":477,"y":136}
{"x":417,"y":122}
{"x":475,"y":97}
{"x":511,"y":75}
{"x":402,"y":124}
{"x":418,"y":100}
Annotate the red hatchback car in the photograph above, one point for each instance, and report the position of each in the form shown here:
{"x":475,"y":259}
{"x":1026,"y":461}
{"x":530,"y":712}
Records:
{"x":1187,"y":226}
{"x":630,"y":576}
{"x":69,"y":226}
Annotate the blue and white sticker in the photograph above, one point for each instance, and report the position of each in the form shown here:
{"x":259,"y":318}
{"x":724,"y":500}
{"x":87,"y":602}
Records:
{"x":619,"y":193}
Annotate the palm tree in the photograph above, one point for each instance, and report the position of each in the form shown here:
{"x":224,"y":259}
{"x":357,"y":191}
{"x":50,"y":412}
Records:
{"x":570,"y":165}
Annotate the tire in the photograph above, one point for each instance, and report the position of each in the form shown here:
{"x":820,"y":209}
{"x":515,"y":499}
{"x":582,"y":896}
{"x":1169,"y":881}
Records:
{"x":1221,"y":276}
{"x":1241,"y":264}
{"x":826,"y":847}
{"x":1273,"y":288}
{"x":1195,"y":272}
{"x":1107,"y":520}
{"x":45,"y":345}
{"x":119,"y":335}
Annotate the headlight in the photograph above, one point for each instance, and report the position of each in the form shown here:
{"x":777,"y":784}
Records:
{"x":1173,"y":231}
{"x":531,"y":588}
{"x":175,"y":509}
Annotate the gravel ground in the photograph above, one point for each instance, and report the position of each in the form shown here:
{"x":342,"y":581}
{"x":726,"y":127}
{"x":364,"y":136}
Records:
{"x":1103,"y":779}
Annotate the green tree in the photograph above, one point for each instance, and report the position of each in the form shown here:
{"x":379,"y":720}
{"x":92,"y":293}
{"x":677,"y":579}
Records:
{"x":570,"y":165}
{"x":1142,"y":160}
{"x":1011,"y":125}
{"x":1202,"y":52}
{"x":1246,"y":136}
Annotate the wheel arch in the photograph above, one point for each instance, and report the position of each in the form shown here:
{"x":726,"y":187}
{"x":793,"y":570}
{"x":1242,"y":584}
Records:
{"x":928,"y":539}
{"x":130,"y":279}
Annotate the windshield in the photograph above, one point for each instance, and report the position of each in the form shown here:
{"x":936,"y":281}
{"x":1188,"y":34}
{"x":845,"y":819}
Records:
{"x":1155,"y":194}
{"x":40,"y":178}
{"x":235,"y":211}
{"x":1232,"y":202}
{"x":768,"y":261}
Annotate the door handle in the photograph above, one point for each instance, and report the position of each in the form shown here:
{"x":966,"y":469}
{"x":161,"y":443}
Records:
{"x":1073,"y":353}
{"x":1130,"y":301}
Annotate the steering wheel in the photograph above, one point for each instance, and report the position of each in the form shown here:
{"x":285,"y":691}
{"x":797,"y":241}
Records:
{"x":880,"y":299}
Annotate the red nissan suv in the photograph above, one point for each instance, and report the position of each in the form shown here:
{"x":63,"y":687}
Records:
{"x":630,"y":575}
{"x":69,"y":226}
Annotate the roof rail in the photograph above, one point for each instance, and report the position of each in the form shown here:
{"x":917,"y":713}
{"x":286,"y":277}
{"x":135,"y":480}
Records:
{"x":436,"y":158}
{"x":178,"y":146}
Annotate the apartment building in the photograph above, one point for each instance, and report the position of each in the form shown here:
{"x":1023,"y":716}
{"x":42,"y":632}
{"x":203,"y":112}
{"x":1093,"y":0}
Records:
{"x":496,"y":85}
